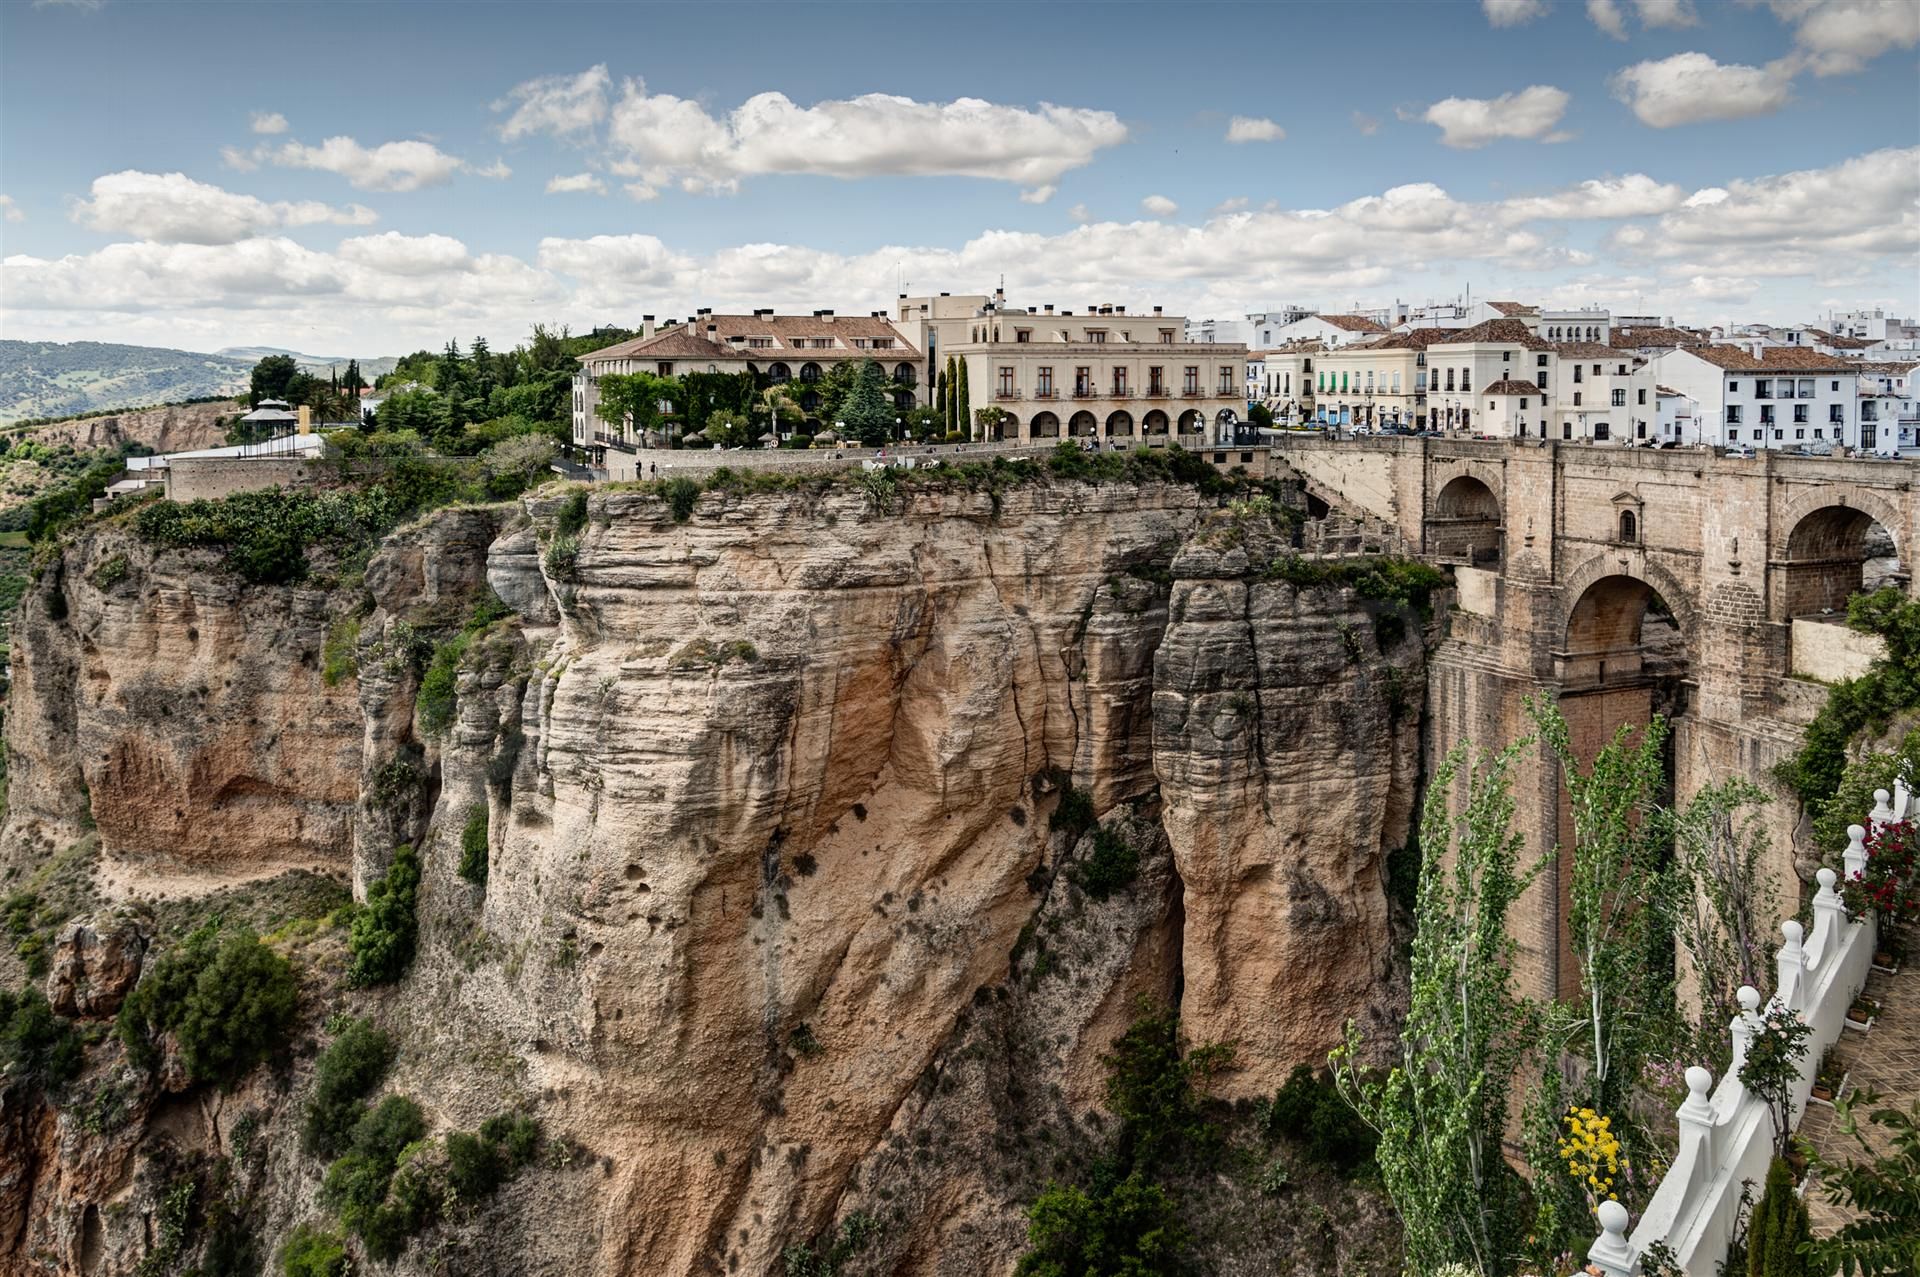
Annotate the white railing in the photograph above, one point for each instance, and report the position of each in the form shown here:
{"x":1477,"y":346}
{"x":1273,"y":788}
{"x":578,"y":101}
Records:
{"x":1726,"y":1137}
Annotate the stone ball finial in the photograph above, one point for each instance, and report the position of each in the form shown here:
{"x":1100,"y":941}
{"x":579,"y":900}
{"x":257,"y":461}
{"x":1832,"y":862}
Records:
{"x":1881,"y":798}
{"x":1699,"y":1081}
{"x":1749,"y":998}
{"x":1856,"y":833}
{"x":1827,"y":878}
{"x":1793,"y":931}
{"x":1613,"y":1219}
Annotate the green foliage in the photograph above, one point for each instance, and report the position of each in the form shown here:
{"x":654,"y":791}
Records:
{"x":173,"y":1228}
{"x":1772,"y":1067}
{"x":1074,"y":814}
{"x":1854,"y":796}
{"x":1394,"y":585}
{"x":681,"y":494}
{"x":440,"y":683}
{"x":866,"y":411}
{"x":1156,"y":1091}
{"x":636,"y":398}
{"x":1441,"y":1113}
{"x":347,"y":1072}
{"x":1890,"y":685}
{"x":562,"y":559}
{"x":314,"y":1252}
{"x":1309,"y":1110}
{"x":572,"y":519}
{"x":855,"y":1231}
{"x":1113,"y":864}
{"x":340,"y":654}
{"x":356,"y":1182}
{"x":473,"y":845}
{"x":54,"y":509}
{"x":111,"y":572}
{"x":271,"y":377}
{"x":381,"y":939}
{"x":962,"y":399}
{"x":266,"y":534}
{"x":1778,"y":1229}
{"x":1879,"y":1193}
{"x":227,"y":998}
{"x":37,"y":1047}
{"x":1131,"y":1227}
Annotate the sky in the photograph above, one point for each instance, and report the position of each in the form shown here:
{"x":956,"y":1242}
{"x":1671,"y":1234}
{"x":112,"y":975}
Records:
{"x":352,"y":178}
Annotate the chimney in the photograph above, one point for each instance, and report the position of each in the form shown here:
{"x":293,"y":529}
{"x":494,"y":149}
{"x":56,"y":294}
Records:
{"x":1156,"y":310}
{"x":826,"y":315}
{"x":305,"y":425}
{"x":1049,"y":308}
{"x":946,"y":294}
{"x":646,"y":325}
{"x":1119,"y":310}
{"x":713,"y":331}
{"x":704,"y":311}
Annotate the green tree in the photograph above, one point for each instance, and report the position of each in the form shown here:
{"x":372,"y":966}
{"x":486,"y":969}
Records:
{"x":227,"y":998}
{"x":381,"y":938}
{"x":941,"y":398}
{"x":638,"y":397}
{"x":835,"y":387}
{"x":1616,"y":868}
{"x":1442,"y":1110}
{"x":1778,"y":1233}
{"x":353,"y":383}
{"x":866,"y":412}
{"x":1261,"y":416}
{"x":1721,"y":907}
{"x":1131,"y":1228}
{"x":951,"y":399}
{"x":270,"y":378}
{"x":1880,"y":1192}
{"x":729,"y":428}
{"x":962,"y":400}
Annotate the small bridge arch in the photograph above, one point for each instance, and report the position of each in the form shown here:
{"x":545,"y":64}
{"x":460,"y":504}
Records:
{"x":1825,"y":540}
{"x":1463,"y":525}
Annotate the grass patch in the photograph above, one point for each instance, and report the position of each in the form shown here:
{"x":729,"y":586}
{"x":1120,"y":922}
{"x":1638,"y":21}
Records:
{"x":340,"y":654}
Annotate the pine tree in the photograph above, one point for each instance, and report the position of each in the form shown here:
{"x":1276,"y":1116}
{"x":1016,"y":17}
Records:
{"x":1778,"y":1228}
{"x":865,"y":411}
{"x":962,"y":401}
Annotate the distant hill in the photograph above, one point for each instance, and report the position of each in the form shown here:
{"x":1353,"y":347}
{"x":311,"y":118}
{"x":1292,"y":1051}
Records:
{"x":313,"y":365}
{"x":52,"y":379}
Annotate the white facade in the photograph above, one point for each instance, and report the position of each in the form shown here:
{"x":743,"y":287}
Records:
{"x":1256,"y":330}
{"x":1743,"y":401}
{"x":1676,"y":420}
{"x":1329,"y":330}
{"x":1890,"y":408}
{"x":1871,"y":325}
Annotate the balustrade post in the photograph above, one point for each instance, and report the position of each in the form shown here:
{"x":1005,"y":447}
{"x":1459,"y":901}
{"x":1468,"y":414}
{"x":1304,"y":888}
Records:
{"x":1829,"y":916}
{"x":1791,"y":988}
{"x":1882,"y":809}
{"x":1902,"y":799}
{"x":1854,"y":861}
{"x":1745,"y":1024}
{"x":1610,"y":1253}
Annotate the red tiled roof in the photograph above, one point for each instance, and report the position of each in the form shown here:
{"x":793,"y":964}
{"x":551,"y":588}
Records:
{"x":1412,"y":339}
{"x":1512,"y":387}
{"x":690,"y":341}
{"x":1642,"y":338}
{"x":1800,"y":358}
{"x":1591,"y":350}
{"x":1504,"y":332}
{"x":1511,"y":309}
{"x":1353,"y":323}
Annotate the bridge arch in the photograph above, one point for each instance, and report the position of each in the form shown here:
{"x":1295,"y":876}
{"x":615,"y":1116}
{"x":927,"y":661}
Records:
{"x":1670,"y":590}
{"x":1825,"y":544}
{"x":1464,"y":524}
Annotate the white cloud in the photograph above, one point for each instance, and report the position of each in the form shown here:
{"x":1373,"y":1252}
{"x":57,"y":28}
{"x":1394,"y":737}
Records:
{"x":1838,"y":37}
{"x":1666,"y":13}
{"x":85,"y":6}
{"x":235,"y":158}
{"x":1235,"y":205}
{"x":565,"y":106}
{"x":1512,"y":13}
{"x":1532,"y":113}
{"x":1798,"y":213}
{"x":1635,"y":195}
{"x":588,"y":183}
{"x":269,"y":122}
{"x":1159,"y":206}
{"x":1606,"y":15}
{"x":396,"y":254}
{"x":1367,"y":124}
{"x":1688,"y":88}
{"x":172,"y":208}
{"x":1246,"y":128}
{"x":9,"y":211}
{"x":1079,"y":213}
{"x":640,"y":192}
{"x":672,"y":140}
{"x":409,"y":165}
{"x":1039,"y":194}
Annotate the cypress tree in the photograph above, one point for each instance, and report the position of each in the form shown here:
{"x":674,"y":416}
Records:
{"x":940,"y":398}
{"x":1778,"y":1227}
{"x":963,"y":404}
{"x":947,"y":400}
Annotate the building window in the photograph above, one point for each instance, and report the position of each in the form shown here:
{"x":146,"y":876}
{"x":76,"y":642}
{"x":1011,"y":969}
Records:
{"x":1834,"y":386}
{"x":1836,"y":414}
{"x":1045,"y":385}
{"x":1120,"y":381}
{"x":1098,"y":336}
{"x":1733,"y":414}
{"x":1799,"y":434}
{"x":1190,"y":383}
{"x":1733,"y":387}
{"x":1643,"y":396}
{"x":1619,"y":398}
{"x":1166,"y":336}
{"x":1629,"y":526}
{"x":1083,"y":381}
{"x":1800,"y":412}
{"x":666,"y":369}
{"x":1506,"y":356}
{"x":1156,"y":380}
{"x":1226,"y":380}
{"x":1523,"y":404}
{"x":1600,"y":430}
{"x":1466,"y":380}
{"x":1005,"y":390}
{"x":1579,"y":375}
{"x":1022,"y":336}
{"x":1576,"y":396}
{"x":1539,"y":361}
{"x":1566,"y":430}
{"x":1766,"y":414}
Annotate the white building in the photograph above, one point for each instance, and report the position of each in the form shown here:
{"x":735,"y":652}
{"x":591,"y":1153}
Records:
{"x":1257,"y":329}
{"x":1889,"y":411}
{"x":1872,"y":326}
{"x":1676,"y":419}
{"x":1773,"y":397}
{"x":1330,"y":331}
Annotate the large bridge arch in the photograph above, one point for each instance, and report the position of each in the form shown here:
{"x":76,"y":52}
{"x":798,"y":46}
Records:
{"x":1464,"y":524}
{"x":1678,"y":595}
{"x":1822,"y":542}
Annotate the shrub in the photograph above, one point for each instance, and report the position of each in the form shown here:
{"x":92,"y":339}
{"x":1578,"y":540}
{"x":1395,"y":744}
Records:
{"x":349,"y":1069}
{"x":266,"y":534}
{"x":1074,"y":815}
{"x":111,"y":572}
{"x":563,"y":558}
{"x":37,"y":1047}
{"x":1131,"y":1227}
{"x":681,"y":496}
{"x":1778,"y":1229}
{"x":439,"y":685}
{"x":516,"y":1133}
{"x":356,"y":1183}
{"x":473,"y":845}
{"x":475,"y":1165}
{"x":312,"y":1252}
{"x":228,"y":999}
{"x":340,"y":654}
{"x":1114,"y":864}
{"x":1308,"y":1110}
{"x":1890,"y":685}
{"x":382,"y":936}
{"x":572,"y":518}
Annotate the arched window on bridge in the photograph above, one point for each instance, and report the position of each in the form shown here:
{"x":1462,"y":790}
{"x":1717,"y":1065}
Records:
{"x":1629,"y":526}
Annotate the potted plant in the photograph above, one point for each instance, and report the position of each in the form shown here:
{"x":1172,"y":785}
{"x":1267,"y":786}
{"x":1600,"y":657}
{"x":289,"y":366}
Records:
{"x":1888,"y":952}
{"x":1862,"y":1013}
{"x":1830,"y":1083}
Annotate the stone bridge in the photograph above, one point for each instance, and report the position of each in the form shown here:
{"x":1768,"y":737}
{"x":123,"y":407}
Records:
{"x":1631,"y":582}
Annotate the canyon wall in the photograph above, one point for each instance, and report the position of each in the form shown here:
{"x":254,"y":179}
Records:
{"x":770,"y":799}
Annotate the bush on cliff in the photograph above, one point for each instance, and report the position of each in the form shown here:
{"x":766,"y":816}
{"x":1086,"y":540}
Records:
{"x":228,"y":999}
{"x":1890,"y":686}
{"x":37,"y":1047}
{"x":1308,"y":1109}
{"x":473,"y":846}
{"x":314,"y":1252}
{"x":349,"y":1069}
{"x":381,"y":938}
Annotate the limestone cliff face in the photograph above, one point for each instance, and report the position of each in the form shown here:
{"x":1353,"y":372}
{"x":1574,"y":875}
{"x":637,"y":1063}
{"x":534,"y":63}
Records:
{"x":768,"y":798}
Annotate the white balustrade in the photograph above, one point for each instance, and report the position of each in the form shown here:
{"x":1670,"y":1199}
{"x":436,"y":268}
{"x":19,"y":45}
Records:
{"x":1726,"y":1132}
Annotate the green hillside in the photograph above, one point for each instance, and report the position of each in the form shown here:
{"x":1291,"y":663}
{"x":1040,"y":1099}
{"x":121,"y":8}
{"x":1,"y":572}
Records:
{"x":54,"y":379}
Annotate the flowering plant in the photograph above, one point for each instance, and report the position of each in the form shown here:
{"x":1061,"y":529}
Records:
{"x":1592,"y":1153}
{"x":1890,"y":884}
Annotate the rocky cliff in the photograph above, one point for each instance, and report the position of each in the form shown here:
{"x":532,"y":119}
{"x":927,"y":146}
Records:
{"x":784,"y":803}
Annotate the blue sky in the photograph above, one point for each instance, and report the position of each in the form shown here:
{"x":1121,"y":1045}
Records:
{"x":1702,"y":159}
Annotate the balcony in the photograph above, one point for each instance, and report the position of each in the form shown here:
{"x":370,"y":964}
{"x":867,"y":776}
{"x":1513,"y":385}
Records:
{"x":1193,"y":392}
{"x":1048,"y":393}
{"x":1120,"y":392}
{"x":618,"y":444}
{"x":1156,"y":392}
{"x":1006,"y":394}
{"x":1083,"y":392}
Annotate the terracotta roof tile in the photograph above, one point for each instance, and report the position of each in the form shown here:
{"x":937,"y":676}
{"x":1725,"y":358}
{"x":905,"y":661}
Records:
{"x":1512,"y":309}
{"x":1729,"y":357}
{"x":1642,"y":338}
{"x":1353,"y":323}
{"x":1801,"y":359}
{"x":1592,"y":350}
{"x":1512,"y":387}
{"x":1505,"y":332}
{"x":689,"y":341}
{"x":1412,"y":339}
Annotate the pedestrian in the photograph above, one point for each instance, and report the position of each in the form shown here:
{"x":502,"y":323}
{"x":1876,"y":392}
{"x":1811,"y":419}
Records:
{"x":653,"y":469}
